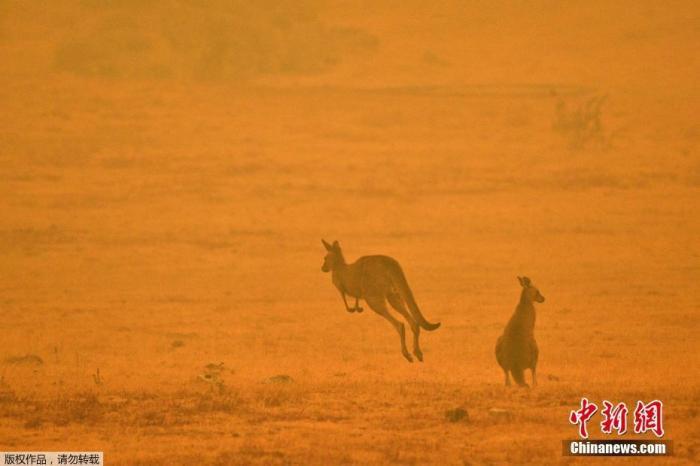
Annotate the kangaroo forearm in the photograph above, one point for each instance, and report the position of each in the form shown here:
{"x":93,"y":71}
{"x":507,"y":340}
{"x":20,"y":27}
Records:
{"x":357,"y":307}
{"x":345,"y":301}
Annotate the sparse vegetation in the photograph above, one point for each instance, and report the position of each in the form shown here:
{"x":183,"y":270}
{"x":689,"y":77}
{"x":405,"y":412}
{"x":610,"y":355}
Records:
{"x":280,"y":379}
{"x":84,"y":409}
{"x":272,"y":396}
{"x":215,"y":40}
{"x":581,"y":122}
{"x":457,"y":414}
{"x":97,"y":378}
{"x":27,"y":359}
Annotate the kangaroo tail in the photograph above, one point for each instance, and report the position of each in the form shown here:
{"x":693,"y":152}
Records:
{"x":519,"y":376}
{"x":404,"y":290}
{"x":500,"y":357}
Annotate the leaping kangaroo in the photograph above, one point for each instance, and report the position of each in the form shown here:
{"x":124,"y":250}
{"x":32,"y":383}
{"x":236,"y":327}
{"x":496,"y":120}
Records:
{"x":378,"y":279}
{"x":516,"y":349}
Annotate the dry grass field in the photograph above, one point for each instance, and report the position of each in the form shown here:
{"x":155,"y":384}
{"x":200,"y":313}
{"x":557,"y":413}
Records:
{"x":160,"y":285}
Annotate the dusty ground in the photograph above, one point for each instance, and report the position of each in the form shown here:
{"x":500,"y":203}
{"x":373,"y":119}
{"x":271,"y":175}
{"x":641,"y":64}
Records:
{"x":150,"y":228}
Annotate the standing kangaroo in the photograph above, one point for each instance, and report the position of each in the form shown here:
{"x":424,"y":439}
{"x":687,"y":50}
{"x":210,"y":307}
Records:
{"x":378,"y":279}
{"x":516,"y":349}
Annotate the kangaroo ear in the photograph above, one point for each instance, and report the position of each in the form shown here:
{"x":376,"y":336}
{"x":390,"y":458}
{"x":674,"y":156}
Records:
{"x":336,"y":245}
{"x":522,"y":281}
{"x":327,"y":245}
{"x":526,"y":281}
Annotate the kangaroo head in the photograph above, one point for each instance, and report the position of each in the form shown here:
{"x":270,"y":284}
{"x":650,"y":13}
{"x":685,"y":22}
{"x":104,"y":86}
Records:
{"x":530,"y":292}
{"x":334,"y":256}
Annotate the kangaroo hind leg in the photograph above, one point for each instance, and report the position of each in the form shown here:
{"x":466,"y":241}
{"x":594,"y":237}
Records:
{"x":397,"y":303}
{"x":378,"y":305}
{"x":357,"y":305}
